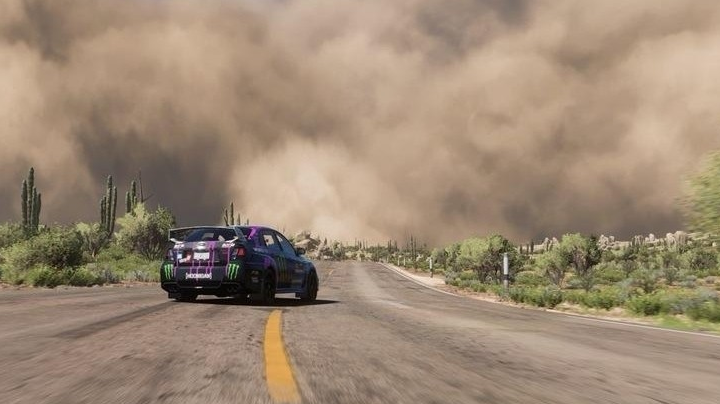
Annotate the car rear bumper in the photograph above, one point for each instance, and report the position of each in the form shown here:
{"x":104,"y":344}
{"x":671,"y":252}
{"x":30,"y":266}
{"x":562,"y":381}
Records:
{"x":216,"y":288}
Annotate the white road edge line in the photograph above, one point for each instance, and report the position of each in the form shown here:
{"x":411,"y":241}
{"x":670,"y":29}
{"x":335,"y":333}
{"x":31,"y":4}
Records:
{"x":417,"y":281}
{"x":580,"y":316}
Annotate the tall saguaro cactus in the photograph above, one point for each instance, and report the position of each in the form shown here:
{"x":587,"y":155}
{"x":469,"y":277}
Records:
{"x":131,"y":198}
{"x":108,"y":205}
{"x":31,"y":204}
{"x":229,"y":217}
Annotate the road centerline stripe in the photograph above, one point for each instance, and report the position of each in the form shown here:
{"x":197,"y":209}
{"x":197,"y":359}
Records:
{"x":278,"y":373}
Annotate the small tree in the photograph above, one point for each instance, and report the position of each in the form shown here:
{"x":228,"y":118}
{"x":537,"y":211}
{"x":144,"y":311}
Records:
{"x":485,"y":256}
{"x":702,"y":202}
{"x":145,"y":233}
{"x":552,"y":267}
{"x":94,"y":237}
{"x":582,"y":254}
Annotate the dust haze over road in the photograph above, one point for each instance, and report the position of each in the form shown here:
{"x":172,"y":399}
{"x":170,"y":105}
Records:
{"x":373,"y":118}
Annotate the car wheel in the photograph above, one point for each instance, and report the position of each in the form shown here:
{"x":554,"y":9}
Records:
{"x":312,"y":288}
{"x":267,"y":294}
{"x":242,"y":299}
{"x":269,"y":291}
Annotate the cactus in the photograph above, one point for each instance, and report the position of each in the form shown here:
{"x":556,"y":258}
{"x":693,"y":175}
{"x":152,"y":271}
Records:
{"x":108,"y":206}
{"x":31,"y":204}
{"x":131,"y":198}
{"x":24,"y":204}
{"x":229,"y":216}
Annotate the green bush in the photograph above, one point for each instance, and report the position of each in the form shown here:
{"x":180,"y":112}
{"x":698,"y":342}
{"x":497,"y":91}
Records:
{"x":608,"y":273}
{"x":11,"y":233}
{"x":468,"y":275}
{"x":84,"y":277}
{"x":44,"y":275}
{"x":530,"y":278}
{"x":130,"y":267}
{"x":709,"y":310}
{"x":13,"y":276}
{"x":646,"y":279}
{"x":605,"y":298}
{"x":646,"y":304}
{"x":689,"y":281}
{"x":701,"y":261}
{"x":56,"y":247}
{"x":144,"y":232}
{"x":547,"y":296}
{"x":696,"y":304}
{"x":574,"y":296}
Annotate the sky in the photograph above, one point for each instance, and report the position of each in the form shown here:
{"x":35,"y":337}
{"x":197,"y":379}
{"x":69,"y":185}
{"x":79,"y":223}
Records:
{"x":364,"y":119}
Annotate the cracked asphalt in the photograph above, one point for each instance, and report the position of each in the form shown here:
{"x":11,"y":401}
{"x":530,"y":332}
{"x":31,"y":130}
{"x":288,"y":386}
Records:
{"x":372,"y":337}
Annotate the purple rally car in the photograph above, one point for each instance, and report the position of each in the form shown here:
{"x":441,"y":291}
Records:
{"x":235,"y":261}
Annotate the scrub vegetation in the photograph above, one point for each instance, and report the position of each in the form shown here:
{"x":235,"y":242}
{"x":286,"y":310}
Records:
{"x":678,"y":275}
{"x":84,"y":254}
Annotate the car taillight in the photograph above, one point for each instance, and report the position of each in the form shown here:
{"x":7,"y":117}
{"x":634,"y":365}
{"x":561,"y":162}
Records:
{"x":240,"y":252}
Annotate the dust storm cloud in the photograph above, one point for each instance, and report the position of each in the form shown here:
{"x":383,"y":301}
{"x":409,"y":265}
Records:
{"x":369,"y":119}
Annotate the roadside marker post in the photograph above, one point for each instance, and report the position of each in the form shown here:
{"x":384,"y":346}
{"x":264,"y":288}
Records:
{"x":506,"y":271}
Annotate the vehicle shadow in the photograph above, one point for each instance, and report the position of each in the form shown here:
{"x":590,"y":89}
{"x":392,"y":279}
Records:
{"x":279,"y":302}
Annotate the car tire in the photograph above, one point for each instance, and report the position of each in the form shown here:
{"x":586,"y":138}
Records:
{"x":311,"y":288}
{"x":241,"y":299}
{"x":267,"y":293}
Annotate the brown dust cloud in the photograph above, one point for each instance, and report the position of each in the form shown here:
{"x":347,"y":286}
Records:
{"x":368,"y":119}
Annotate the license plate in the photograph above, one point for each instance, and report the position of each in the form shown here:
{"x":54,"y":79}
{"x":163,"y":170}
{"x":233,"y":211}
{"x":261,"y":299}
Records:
{"x":198,"y":276}
{"x":201,"y":255}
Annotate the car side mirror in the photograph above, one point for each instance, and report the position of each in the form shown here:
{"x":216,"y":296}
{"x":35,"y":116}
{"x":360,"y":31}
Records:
{"x":300,"y":251}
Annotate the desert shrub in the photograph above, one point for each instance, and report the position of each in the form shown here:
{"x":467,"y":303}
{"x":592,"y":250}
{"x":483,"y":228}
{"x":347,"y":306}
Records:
{"x":530,"y":278}
{"x":473,"y":284}
{"x":56,"y":247}
{"x":11,"y":233}
{"x":84,"y":276}
{"x":695,"y":303}
{"x":689,"y":281}
{"x":608,"y":273}
{"x":45,"y":275}
{"x":547,"y":296}
{"x":701,"y":261}
{"x":13,"y":276}
{"x":646,"y":279}
{"x":605,"y":298}
{"x":671,"y":274}
{"x":709,"y":310}
{"x":18,"y":258}
{"x":144,"y":232}
{"x":646,"y":304}
{"x":452,"y":281}
{"x":573,"y":296}
{"x":112,"y":267}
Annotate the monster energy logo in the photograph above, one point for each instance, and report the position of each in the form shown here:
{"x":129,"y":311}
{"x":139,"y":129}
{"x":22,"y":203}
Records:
{"x":233,"y":270}
{"x":167,"y":271}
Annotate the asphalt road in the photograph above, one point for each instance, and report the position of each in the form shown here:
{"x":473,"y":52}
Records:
{"x":373,"y":337}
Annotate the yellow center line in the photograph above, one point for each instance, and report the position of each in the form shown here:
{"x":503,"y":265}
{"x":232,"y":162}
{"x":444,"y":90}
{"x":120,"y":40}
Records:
{"x":279,"y":374}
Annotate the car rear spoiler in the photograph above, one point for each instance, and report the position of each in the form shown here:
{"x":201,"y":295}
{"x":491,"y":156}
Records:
{"x":178,"y":235}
